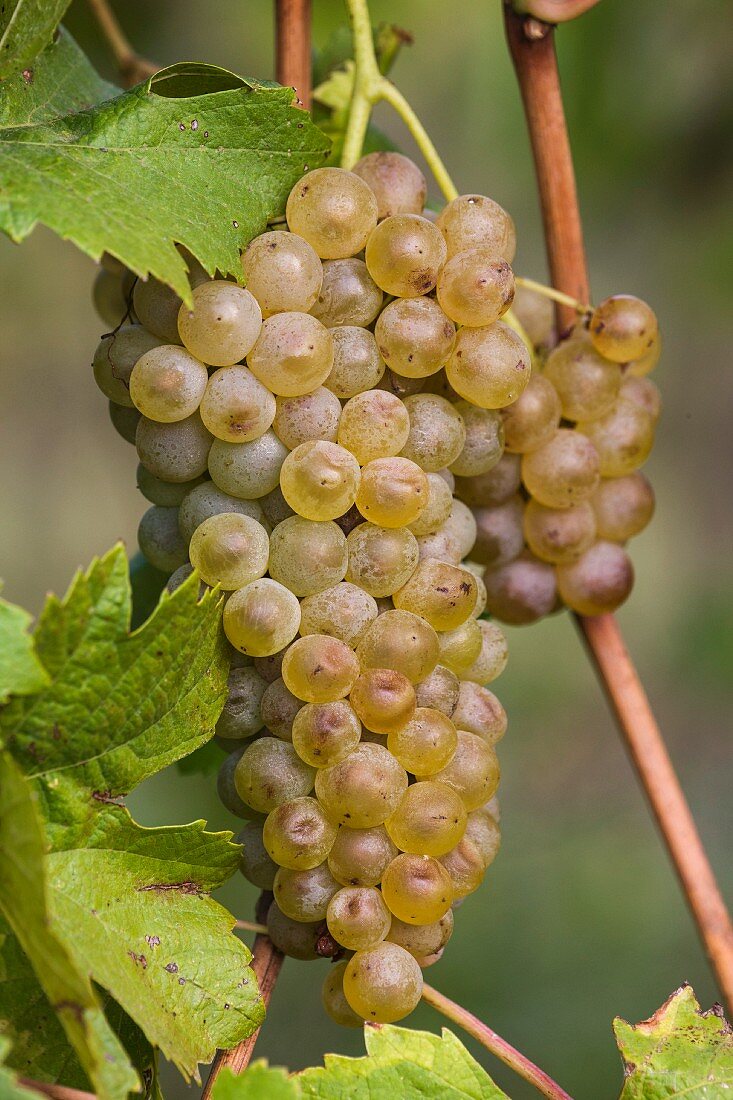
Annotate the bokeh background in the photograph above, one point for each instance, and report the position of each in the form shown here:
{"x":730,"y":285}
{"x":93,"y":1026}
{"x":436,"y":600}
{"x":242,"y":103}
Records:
{"x":580,"y":918}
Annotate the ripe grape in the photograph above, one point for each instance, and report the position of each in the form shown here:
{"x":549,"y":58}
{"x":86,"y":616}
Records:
{"x":499,"y":533}
{"x":437,"y":432}
{"x":623,"y":328}
{"x":307,"y":556}
{"x":320,"y":480}
{"x":459,"y":648}
{"x":160,"y":540}
{"x":269,"y":773}
{"x":320,"y":669}
{"x":473,"y":772}
{"x":380,"y":559}
{"x":357,"y":362}
{"x":173,"y":452}
{"x":334,"y":1000}
{"x":639,"y":368}
{"x":623,"y":438}
{"x":475,"y":221}
{"x":297,"y":834}
{"x":462,"y":526}
{"x":483,"y":831}
{"x":475,"y":287}
{"x":429,"y":821}
{"x":248,"y":470}
{"x":157,"y":306}
{"x":444,"y":595}
{"x":642,"y":392}
{"x":111,"y":295}
{"x":397,"y":182}
{"x":414,"y":336}
{"x":494,"y":487}
{"x":359,"y":857}
{"x":490,"y":366}
{"x":417,"y":889}
{"x":297,"y":939}
{"x":115,"y":358}
{"x":422,"y":939}
{"x":484,"y":443}
{"x":348,"y":295}
{"x":230,"y":549}
{"x":311,"y":416}
{"x":383,"y":699}
{"x":425,"y":745}
{"x":437,"y":507}
{"x":522,"y":591}
{"x":293,"y":354}
{"x":598,"y":581}
{"x":465,"y":866}
{"x":235,"y":406}
{"x":536,"y":314}
{"x":241,"y":717}
{"x":392,"y":492}
{"x":169,"y":494}
{"x":404,"y":255}
{"x":334,"y":210}
{"x":559,"y":535}
{"x":374,"y":424}
{"x":283,"y":273}
{"x":205,"y":500}
{"x":478,"y":711}
{"x":254,"y":861}
{"x":357,"y":918}
{"x":304,"y":895}
{"x":622,"y":506}
{"x":223,"y":325}
{"x":492,"y":657}
{"x":439,"y":690}
{"x":564,"y":471}
{"x":533,"y":418}
{"x":278,"y":708}
{"x":401,"y":641}
{"x":344,"y":611}
{"x":325,"y":733}
{"x":586,"y":383}
{"x":262,"y":618}
{"x":383,"y":984}
{"x":362,"y":790}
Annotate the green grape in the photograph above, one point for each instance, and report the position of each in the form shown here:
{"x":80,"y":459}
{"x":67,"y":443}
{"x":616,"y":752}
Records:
{"x":429,"y":821}
{"x":110,"y":295}
{"x":465,"y":866}
{"x":496,"y":486}
{"x":236,"y":407}
{"x":283,"y":273}
{"x":359,"y":857}
{"x":383,"y":699}
{"x":599,"y":581}
{"x":254,"y":861}
{"x":115,"y":357}
{"x":374,"y":424}
{"x":586,"y":383}
{"x":536,"y":314}
{"x":247,"y":470}
{"x":334,"y":1000}
{"x":293,"y":354}
{"x":297,"y":939}
{"x":173,"y":452}
{"x":440,"y":593}
{"x":399,"y":385}
{"x":484,"y":444}
{"x":357,"y":918}
{"x":344,"y":611}
{"x":205,"y":500}
{"x":475,"y":287}
{"x":439,"y":691}
{"x":473,"y":773}
{"x":269,"y":773}
{"x":160,"y":540}
{"x":623,"y":438}
{"x":169,"y":494}
{"x":623,"y":328}
{"x":417,"y":889}
{"x":490,"y":367}
{"x":383,"y":984}
{"x":642,"y":392}
{"x":492,"y":658}
{"x":320,"y":480}
{"x":638,"y":368}
{"x":414,"y":336}
{"x":380,"y":559}
{"x":357,"y":362}
{"x":275,"y":507}
{"x":533,"y":418}
{"x":522,"y":591}
{"x":325,"y":733}
{"x":297,"y":834}
{"x":307,"y":556}
{"x":392,"y":492}
{"x":278,"y":708}
{"x":499,"y":533}
{"x":262,"y":618}
{"x":362,"y":790}
{"x":397,"y":182}
{"x":226,"y":788}
{"x":622,"y":506}
{"x":241,"y":716}
{"x":223,"y":325}
{"x":167,"y":383}
{"x":437,"y":432}
{"x":311,"y":416}
{"x":348,"y":295}
{"x":422,"y":940}
{"x":124,"y":421}
{"x":459,"y":648}
{"x":475,"y":221}
{"x":304,"y":895}
{"x":401,"y":641}
{"x":559,"y":535}
{"x":230,"y":550}
{"x":425,"y":745}
{"x":334,"y":210}
{"x":437,"y":507}
{"x":320,"y":669}
{"x":157,"y":306}
{"x":478,"y":711}
{"x":483,"y":831}
{"x":564,"y":471}
{"x":404,"y":255}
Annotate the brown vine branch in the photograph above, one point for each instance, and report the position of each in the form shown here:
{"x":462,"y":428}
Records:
{"x":554,"y":11}
{"x":536,"y":67}
{"x":132,"y":68}
{"x":293,"y":47}
{"x":56,"y":1092}
{"x":499,"y":1047}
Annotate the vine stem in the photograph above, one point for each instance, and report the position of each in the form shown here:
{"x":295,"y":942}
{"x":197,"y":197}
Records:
{"x":251,"y":926}
{"x":56,"y":1092}
{"x":499,"y":1047}
{"x":554,"y":295}
{"x":132,"y":68}
{"x":292,"y":47}
{"x":535,"y":62}
{"x":370,"y":87}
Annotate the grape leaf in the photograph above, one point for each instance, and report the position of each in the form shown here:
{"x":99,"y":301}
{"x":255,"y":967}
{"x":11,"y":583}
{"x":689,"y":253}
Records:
{"x":258,"y":1082}
{"x":25,"y":28}
{"x":24,"y":903}
{"x":21,"y":673}
{"x":194,"y":155}
{"x":120,"y":706}
{"x":10,"y":1088}
{"x":61,"y":82}
{"x":679,"y":1051}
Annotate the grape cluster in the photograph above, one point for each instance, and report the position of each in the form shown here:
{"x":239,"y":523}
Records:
{"x":554,"y":514}
{"x":324,"y":444}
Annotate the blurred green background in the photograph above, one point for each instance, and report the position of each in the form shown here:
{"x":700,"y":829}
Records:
{"x":581,"y":917}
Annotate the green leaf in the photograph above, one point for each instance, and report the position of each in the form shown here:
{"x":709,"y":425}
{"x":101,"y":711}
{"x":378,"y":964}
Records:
{"x":25,"y":28}
{"x":21,"y":673}
{"x":120,"y":706}
{"x":24,"y":903}
{"x":10,"y":1089}
{"x":61,"y":82}
{"x":258,"y":1082}
{"x":195,"y":155}
{"x":679,"y":1051}
{"x":404,"y":1063}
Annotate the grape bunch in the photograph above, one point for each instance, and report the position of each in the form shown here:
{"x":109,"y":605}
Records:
{"x":324,"y":443}
{"x":555,"y":513}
